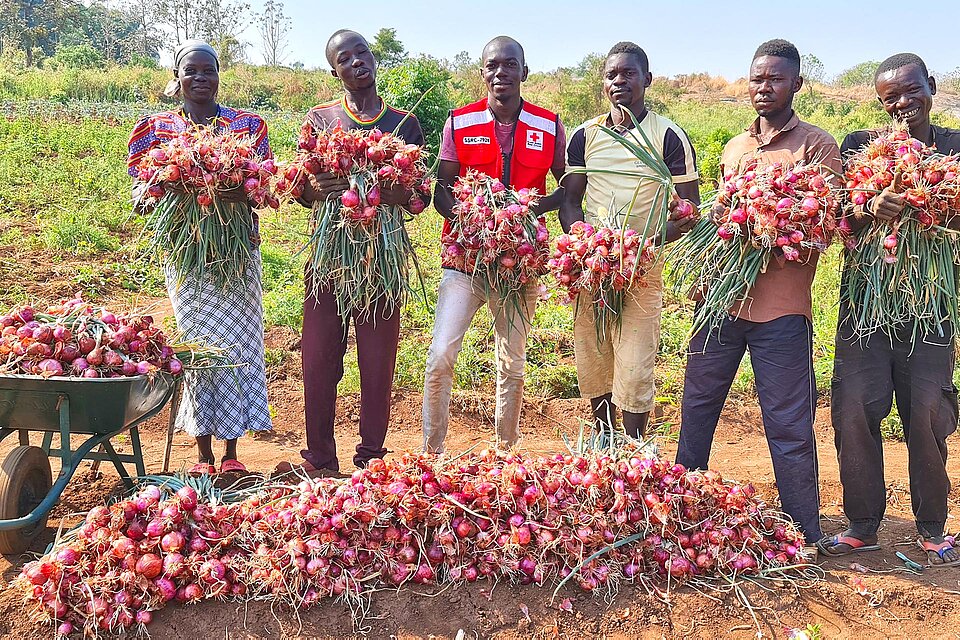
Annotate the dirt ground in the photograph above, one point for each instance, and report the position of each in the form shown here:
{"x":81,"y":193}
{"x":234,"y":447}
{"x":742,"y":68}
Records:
{"x":892,"y":603}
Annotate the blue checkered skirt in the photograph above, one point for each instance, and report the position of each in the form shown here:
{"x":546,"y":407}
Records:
{"x":223,"y":402}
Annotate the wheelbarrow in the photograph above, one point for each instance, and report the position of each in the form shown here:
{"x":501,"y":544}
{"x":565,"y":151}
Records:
{"x":96,"y":410}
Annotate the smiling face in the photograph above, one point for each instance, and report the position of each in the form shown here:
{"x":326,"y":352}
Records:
{"x":625,"y":81}
{"x":907,"y":95}
{"x":773,"y":83}
{"x":199,"y":77}
{"x":503,"y":69}
{"x":352,"y":61}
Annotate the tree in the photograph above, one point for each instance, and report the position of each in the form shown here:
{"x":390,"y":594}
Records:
{"x":146,"y":40}
{"x":273,"y":26}
{"x":114,"y":31}
{"x":219,"y":22}
{"x":860,"y":75}
{"x":33,"y":26}
{"x":387,"y":49}
{"x":222,"y":24}
{"x":463,"y":61}
{"x":423,"y":82}
{"x":811,"y":68}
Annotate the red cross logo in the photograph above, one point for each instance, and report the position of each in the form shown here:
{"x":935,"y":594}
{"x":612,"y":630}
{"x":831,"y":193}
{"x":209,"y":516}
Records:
{"x":534,"y":140}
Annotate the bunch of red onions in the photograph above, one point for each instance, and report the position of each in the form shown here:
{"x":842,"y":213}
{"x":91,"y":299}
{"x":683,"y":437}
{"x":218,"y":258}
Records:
{"x":928,"y":182}
{"x":793,"y":208}
{"x":598,"y":520}
{"x":368,"y":158}
{"x":73,"y":339}
{"x":603,"y":262}
{"x":359,"y":247}
{"x":208,"y":165}
{"x":496,"y":237}
{"x":903,"y":278}
{"x":767,"y":212}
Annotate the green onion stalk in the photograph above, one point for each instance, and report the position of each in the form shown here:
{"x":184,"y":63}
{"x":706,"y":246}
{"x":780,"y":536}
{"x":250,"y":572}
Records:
{"x":365,"y":265}
{"x":720,"y":272}
{"x":910,"y":291}
{"x":207,"y":241}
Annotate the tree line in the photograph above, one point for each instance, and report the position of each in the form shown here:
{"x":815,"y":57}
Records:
{"x":75,"y":33}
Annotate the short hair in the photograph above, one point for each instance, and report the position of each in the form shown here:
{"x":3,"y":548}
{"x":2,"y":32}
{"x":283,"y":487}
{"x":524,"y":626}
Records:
{"x":899,"y":60}
{"x":779,"y":48}
{"x":336,"y":34}
{"x":507,"y":40}
{"x":633,"y":49}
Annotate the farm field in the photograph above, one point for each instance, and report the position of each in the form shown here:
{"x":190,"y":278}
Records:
{"x":66,"y":226}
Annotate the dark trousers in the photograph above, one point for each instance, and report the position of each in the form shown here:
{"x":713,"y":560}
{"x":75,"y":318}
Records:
{"x":781,"y":352}
{"x":323,"y":347}
{"x":867,"y":376}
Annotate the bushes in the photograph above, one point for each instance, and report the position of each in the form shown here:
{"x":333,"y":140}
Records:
{"x":81,"y":56}
{"x":421,"y":80}
{"x":860,"y":75}
{"x":243,"y":86}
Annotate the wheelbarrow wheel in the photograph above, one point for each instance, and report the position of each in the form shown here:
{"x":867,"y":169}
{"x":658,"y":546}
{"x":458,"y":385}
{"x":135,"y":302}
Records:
{"x":25,"y":479}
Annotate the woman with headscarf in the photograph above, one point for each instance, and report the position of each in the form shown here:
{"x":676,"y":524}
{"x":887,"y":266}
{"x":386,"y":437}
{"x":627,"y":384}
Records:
{"x":225,"y":403}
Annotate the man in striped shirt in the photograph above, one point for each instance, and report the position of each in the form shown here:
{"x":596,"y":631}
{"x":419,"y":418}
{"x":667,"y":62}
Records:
{"x":324,"y":341}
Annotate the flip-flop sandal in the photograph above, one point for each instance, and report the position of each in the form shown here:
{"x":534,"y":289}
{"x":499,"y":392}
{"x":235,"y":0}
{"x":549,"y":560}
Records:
{"x":940,"y":553}
{"x":202,"y":468}
{"x":827,"y":546}
{"x":232,"y":466}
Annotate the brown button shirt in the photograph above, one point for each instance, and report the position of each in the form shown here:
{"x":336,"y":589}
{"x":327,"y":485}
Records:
{"x":784,"y":288}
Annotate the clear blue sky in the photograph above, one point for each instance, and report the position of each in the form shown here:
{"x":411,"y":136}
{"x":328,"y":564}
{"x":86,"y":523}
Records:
{"x":679,"y":37}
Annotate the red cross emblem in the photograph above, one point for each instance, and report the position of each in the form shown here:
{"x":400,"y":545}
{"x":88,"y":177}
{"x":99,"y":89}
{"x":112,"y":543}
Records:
{"x":534,"y":140}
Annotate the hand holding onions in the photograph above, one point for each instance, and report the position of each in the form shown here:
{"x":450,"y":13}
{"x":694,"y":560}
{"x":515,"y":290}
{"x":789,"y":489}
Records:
{"x":359,"y":248}
{"x":496,"y":237}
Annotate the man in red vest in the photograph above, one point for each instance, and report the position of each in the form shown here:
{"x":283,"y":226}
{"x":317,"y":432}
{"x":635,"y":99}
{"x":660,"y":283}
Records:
{"x":517,"y":142}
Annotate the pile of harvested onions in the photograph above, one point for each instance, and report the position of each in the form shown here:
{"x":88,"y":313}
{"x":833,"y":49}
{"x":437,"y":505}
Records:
{"x":74,"y":339}
{"x":602,"y":519}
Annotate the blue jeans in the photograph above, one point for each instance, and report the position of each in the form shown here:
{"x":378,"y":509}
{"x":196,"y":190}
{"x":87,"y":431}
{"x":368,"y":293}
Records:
{"x":781,"y":352}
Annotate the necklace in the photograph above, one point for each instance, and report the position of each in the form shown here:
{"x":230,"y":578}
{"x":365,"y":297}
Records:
{"x":213,"y":121}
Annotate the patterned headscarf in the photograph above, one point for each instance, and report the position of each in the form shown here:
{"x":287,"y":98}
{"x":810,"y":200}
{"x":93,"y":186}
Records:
{"x":187,"y":47}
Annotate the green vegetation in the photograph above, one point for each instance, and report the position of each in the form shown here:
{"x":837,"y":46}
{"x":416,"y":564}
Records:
{"x":64,"y":198}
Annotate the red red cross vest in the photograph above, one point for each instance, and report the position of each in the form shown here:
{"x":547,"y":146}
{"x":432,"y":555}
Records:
{"x":534,"y":142}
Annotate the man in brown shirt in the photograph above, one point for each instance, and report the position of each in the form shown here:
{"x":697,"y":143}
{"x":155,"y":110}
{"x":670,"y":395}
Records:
{"x":774,"y":321}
